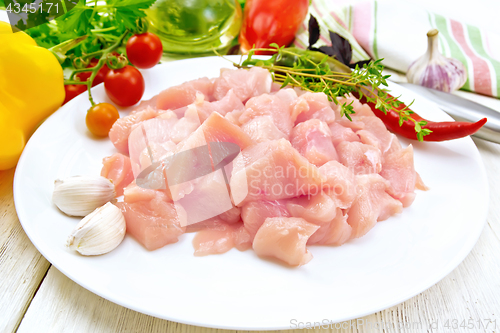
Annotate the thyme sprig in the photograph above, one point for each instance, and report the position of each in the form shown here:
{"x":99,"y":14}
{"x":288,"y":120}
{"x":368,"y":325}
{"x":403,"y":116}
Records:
{"x":315,"y":72}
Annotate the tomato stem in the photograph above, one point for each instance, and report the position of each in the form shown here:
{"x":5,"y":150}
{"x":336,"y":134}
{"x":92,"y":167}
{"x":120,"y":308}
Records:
{"x":76,"y":71}
{"x":118,"y":62}
{"x":110,"y":49}
{"x":89,"y":88}
{"x":102,"y":60}
{"x":66,"y":82}
{"x":141,"y":25}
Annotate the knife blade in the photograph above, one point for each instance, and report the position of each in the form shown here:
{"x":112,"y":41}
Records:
{"x":462,"y":109}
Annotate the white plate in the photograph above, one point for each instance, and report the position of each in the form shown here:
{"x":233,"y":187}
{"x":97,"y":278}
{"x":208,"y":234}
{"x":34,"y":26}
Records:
{"x":396,"y":260}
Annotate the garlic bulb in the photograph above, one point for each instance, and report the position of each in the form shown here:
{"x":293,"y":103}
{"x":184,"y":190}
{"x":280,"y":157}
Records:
{"x":433,"y":70}
{"x":80,"y":195}
{"x":99,"y":232}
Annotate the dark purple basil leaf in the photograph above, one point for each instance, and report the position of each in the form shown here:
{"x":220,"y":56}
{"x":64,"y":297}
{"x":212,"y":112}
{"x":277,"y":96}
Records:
{"x":342,"y":47}
{"x":332,"y":52}
{"x":313,"y":31}
{"x":360,"y":63}
{"x":328,"y":50}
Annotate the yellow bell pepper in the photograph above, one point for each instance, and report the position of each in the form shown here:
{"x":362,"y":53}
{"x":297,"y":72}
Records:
{"x":31,"y":88}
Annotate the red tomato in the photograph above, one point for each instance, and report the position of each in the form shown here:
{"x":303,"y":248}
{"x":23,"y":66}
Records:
{"x":100,"y":118}
{"x":124,"y":86}
{"x":73,"y":90}
{"x":99,"y":78}
{"x":144,"y":50}
{"x":271,"y":21}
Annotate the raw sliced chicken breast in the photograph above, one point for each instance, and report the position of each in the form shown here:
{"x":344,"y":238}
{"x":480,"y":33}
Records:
{"x":284,"y":238}
{"x":354,"y":124}
{"x":272,"y":170}
{"x":399,"y":170}
{"x":154,"y":152}
{"x":374,"y":133}
{"x":312,"y":138}
{"x":255,"y":213}
{"x":195,"y":139}
{"x":287,"y":95}
{"x":207,"y":197}
{"x":218,"y":129}
{"x":340,"y":183}
{"x":359,"y":157}
{"x":369,"y":138}
{"x":372,"y":204}
{"x":361,"y":109}
{"x":234,"y":116}
{"x":220,"y":238}
{"x":122,"y":128}
{"x":145,"y":104}
{"x":245,"y":83}
{"x":215,"y":129}
{"x":394,"y":146}
{"x":117,"y":168}
{"x":341,"y":133}
{"x":189,"y":163}
{"x":133,"y":193}
{"x":419,"y":184}
{"x":191,"y":159}
{"x":262,"y":128}
{"x":153,"y":223}
{"x":276,"y":106}
{"x":228,"y":103}
{"x":335,"y":232}
{"x":276,"y":87}
{"x":232,"y":215}
{"x":321,"y":210}
{"x":185,"y":125}
{"x":184,"y":94}
{"x":312,"y":106}
{"x":146,"y":134}
{"x":317,"y":209}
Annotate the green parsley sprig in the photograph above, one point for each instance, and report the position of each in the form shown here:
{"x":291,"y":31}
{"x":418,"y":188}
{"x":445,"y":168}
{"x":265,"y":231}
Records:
{"x":102,"y":22}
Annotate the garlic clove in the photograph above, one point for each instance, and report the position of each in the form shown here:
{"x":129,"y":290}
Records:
{"x":99,"y":232}
{"x":433,"y":70}
{"x":80,"y":195}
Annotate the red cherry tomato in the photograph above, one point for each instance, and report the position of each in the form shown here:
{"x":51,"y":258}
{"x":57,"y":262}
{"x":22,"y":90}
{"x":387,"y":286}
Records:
{"x":271,"y":21}
{"x":73,"y":90}
{"x":99,"y":78}
{"x":100,"y":118}
{"x":124,"y":86}
{"x":144,"y":50}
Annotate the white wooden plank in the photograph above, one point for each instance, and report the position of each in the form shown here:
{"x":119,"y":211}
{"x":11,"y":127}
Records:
{"x":490,"y":152}
{"x":22,"y":267}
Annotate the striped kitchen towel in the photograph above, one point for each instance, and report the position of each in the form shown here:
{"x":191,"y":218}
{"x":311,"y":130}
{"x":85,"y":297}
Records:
{"x":396,"y":31}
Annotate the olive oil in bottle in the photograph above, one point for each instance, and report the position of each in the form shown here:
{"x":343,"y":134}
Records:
{"x":196,"y":27}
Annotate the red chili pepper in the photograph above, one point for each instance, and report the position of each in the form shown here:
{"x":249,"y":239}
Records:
{"x":441,"y":131}
{"x":271,"y":21}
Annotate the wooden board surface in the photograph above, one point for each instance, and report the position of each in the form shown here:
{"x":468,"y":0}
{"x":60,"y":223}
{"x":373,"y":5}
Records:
{"x":22,"y":267}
